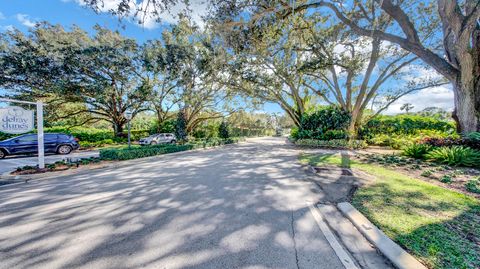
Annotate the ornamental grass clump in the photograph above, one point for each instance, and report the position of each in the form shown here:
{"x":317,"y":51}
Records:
{"x":417,"y":151}
{"x":455,"y":156}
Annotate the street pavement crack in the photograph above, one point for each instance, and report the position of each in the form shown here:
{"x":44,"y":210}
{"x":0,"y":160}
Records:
{"x":294,"y":241}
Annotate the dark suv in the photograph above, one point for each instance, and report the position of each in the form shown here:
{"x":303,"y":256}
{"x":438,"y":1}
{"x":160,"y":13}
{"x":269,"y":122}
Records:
{"x":25,"y":144}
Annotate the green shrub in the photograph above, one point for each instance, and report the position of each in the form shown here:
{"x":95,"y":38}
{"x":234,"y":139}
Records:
{"x":334,"y":143}
{"x":417,"y":151}
{"x":147,"y":151}
{"x":455,"y":155}
{"x":473,"y":136}
{"x":223,"y":131}
{"x":446,"y":179}
{"x":294,"y":133}
{"x":327,"y":123}
{"x":87,"y":144}
{"x":134,"y":153}
{"x":404,"y":124}
{"x":473,"y":185}
{"x":393,"y":141}
{"x":426,"y":173}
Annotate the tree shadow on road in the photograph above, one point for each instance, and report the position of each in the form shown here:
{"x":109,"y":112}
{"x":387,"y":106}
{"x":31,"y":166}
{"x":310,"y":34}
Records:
{"x":219,"y":208}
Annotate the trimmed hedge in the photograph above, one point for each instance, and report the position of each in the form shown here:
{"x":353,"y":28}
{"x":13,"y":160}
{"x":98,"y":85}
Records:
{"x":334,"y":143}
{"x":326,"y":123}
{"x":404,"y":124}
{"x":148,"y":151}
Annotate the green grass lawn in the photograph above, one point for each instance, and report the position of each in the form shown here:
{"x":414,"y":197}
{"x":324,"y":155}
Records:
{"x":439,"y":226}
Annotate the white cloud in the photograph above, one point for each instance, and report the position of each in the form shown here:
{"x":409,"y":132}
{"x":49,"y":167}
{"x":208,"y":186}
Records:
{"x":148,"y":20}
{"x":25,"y":20}
{"x":420,"y":74}
{"x":7,"y":28}
{"x":441,"y":96}
{"x":2,"y":17}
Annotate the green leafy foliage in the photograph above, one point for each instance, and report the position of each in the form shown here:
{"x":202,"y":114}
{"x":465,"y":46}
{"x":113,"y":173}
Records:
{"x":223,"y":131}
{"x":181,"y":126}
{"x":91,"y":137}
{"x":147,"y":151}
{"x":446,"y":179}
{"x":456,"y":156}
{"x":334,"y":143}
{"x":473,"y":185}
{"x":398,"y":141}
{"x":417,"y":151}
{"x":404,"y":124}
{"x":327,"y":123}
{"x":426,"y":173}
{"x":134,"y":153}
{"x":473,"y":136}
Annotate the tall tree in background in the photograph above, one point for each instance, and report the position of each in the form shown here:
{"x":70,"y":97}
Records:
{"x":158,"y":76}
{"x":197,"y":62}
{"x":455,"y":53}
{"x":70,"y":66}
{"x":269,"y":65}
{"x":358,"y":70}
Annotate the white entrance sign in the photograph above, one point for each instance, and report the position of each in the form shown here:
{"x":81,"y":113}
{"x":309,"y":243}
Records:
{"x":16,"y":120}
{"x":25,"y":114}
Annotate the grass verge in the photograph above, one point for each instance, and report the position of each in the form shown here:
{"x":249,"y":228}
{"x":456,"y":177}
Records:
{"x":439,"y":226}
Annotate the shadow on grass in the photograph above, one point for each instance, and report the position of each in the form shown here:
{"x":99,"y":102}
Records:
{"x":346,"y":162}
{"x":442,"y":234}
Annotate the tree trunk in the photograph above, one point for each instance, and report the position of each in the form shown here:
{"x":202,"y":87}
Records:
{"x":467,"y":107}
{"x":118,"y":129}
{"x":355,"y":123}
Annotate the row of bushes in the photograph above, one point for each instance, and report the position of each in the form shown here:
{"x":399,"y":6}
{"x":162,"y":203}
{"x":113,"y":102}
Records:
{"x":147,"y":151}
{"x":333,"y":143}
{"x":398,"y":141}
{"x":404,"y":125}
{"x":327,"y":123}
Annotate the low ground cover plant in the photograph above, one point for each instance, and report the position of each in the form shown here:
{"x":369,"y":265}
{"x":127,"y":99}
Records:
{"x":473,"y":185}
{"x":437,"y":225}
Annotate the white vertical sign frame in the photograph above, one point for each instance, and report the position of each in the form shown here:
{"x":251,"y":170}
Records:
{"x":41,"y":145}
{"x":40,"y":134}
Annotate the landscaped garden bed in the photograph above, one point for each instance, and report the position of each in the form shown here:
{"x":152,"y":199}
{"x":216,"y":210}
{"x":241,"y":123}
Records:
{"x":438,"y":225}
{"x":59,"y":166}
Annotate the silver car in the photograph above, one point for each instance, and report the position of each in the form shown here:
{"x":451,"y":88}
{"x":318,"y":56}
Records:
{"x":166,"y":138}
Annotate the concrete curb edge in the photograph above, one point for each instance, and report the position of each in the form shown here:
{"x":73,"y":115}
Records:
{"x":391,"y":250}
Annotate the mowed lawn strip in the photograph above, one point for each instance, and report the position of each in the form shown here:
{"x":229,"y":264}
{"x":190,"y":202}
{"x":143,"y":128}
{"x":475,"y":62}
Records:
{"x":439,"y":226}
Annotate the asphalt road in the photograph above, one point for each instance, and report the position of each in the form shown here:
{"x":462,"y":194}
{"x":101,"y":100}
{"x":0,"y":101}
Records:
{"x":10,"y":163}
{"x":240,"y":206}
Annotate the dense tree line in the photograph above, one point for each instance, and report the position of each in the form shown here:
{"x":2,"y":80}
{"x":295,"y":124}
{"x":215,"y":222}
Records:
{"x":297,"y":54}
{"x":443,"y":34}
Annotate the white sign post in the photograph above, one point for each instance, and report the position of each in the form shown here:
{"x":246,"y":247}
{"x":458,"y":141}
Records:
{"x":41,"y":147}
{"x":128,"y":115}
{"x":16,"y":120}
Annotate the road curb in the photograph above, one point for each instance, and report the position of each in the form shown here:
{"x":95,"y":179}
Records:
{"x":397,"y":255}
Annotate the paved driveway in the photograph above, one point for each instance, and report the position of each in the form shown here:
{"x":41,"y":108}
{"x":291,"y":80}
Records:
{"x":241,"y":206}
{"x":10,"y":163}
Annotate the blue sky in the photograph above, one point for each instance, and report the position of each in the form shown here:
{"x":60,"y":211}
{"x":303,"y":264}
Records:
{"x":22,"y":14}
